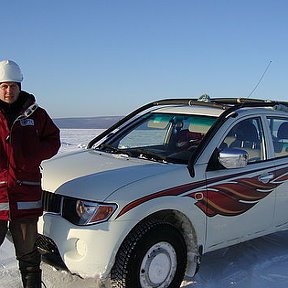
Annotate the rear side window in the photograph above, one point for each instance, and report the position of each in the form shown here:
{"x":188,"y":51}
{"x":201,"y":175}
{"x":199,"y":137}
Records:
{"x":279,"y":132}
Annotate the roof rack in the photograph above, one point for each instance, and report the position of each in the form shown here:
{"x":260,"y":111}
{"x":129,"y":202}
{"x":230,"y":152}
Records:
{"x":234,"y":101}
{"x":238,"y":103}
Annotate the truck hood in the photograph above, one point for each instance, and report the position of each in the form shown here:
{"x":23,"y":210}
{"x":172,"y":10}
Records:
{"x":88,"y":173}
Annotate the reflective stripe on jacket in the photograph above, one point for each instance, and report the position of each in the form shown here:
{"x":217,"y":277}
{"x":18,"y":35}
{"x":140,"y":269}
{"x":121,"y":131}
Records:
{"x":4,"y":206}
{"x":29,"y":205}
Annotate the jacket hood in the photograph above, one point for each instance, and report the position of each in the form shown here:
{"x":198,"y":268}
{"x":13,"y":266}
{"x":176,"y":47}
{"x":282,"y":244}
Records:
{"x":27,"y":100}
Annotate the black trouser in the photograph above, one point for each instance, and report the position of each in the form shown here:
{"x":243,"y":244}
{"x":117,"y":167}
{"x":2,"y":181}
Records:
{"x":24,"y":234}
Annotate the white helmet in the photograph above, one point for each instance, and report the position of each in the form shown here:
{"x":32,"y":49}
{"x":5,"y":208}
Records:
{"x":10,"y":72}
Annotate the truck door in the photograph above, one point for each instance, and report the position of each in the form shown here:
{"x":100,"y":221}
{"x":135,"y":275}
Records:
{"x":238,"y":202}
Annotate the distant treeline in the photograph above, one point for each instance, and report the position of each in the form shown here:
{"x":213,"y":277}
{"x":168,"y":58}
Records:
{"x":101,"y":122}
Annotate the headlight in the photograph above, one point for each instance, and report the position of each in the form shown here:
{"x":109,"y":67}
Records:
{"x":82,"y":212}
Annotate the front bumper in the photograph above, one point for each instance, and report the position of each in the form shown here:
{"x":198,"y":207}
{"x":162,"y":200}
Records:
{"x":88,"y":251}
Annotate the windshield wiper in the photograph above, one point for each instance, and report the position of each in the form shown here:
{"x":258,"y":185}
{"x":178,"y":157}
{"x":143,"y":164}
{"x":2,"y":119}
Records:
{"x":113,"y":149}
{"x":133,"y":152}
{"x":146,"y":154}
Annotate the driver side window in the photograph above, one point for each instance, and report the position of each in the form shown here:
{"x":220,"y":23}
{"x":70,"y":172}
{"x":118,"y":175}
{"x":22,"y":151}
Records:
{"x":246,"y":135}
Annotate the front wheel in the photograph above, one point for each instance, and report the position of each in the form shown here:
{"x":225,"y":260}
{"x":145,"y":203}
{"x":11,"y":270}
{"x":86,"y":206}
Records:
{"x":153,"y":255}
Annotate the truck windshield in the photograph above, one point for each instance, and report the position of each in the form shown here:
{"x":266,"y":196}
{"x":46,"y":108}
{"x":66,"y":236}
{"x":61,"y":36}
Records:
{"x":161,"y":137}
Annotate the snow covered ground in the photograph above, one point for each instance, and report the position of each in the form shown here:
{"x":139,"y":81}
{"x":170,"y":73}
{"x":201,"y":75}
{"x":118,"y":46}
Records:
{"x":259,"y":263}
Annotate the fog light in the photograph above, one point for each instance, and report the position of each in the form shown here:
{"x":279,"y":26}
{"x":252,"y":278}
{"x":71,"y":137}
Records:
{"x":81,"y":247}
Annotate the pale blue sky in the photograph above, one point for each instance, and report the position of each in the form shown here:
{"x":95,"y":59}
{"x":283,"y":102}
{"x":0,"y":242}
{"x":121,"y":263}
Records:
{"x":107,"y":57}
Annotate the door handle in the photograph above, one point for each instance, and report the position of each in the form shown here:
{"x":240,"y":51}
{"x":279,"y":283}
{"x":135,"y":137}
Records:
{"x":266,"y":178}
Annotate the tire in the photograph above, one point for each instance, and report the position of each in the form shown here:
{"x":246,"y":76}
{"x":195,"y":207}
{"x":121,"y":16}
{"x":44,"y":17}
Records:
{"x":153,"y":255}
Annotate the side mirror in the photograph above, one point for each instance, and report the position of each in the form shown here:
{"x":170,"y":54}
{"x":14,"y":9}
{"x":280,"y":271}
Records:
{"x":233,"y":158}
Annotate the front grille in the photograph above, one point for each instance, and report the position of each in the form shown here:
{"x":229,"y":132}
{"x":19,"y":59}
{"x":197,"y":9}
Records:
{"x":51,"y":202}
{"x":49,"y":252}
{"x":46,"y":245}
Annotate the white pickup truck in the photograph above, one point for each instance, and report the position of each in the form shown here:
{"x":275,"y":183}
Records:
{"x":172,"y":180}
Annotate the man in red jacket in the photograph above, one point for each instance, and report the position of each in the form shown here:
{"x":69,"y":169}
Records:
{"x":27,"y":137}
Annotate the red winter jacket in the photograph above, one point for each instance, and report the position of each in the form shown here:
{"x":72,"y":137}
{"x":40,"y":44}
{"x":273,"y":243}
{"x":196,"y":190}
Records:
{"x":26,"y":139}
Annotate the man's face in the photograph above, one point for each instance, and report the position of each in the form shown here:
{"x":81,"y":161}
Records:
{"x":9,"y":92}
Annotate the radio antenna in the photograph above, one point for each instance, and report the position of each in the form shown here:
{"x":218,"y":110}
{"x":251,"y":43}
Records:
{"x":260,"y":79}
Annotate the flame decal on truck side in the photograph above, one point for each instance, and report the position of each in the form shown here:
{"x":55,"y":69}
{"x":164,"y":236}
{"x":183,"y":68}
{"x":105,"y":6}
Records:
{"x":227,"y":197}
{"x":233,"y":198}
{"x":174,"y":191}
